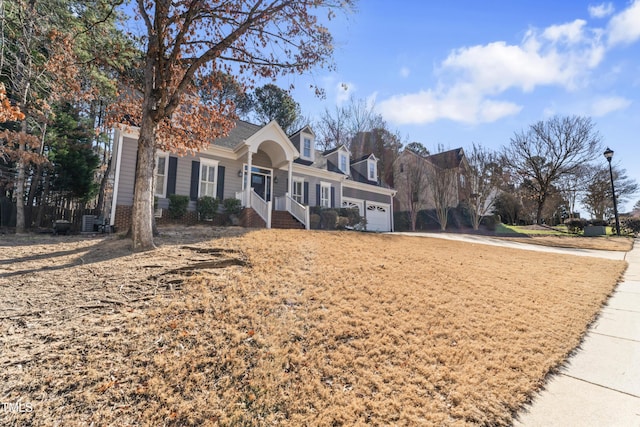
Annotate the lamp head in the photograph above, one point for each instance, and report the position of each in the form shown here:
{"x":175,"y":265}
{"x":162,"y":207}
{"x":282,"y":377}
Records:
{"x":608,"y":154}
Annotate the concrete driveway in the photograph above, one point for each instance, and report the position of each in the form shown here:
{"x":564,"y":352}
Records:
{"x":486,"y":240}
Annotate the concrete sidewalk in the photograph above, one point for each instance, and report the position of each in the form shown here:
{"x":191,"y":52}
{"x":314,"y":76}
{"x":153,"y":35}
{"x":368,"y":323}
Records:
{"x":600,"y":384}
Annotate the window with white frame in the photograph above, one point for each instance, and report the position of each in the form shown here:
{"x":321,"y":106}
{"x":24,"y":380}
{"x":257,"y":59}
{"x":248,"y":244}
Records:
{"x":373,"y":173}
{"x":298,"y":190}
{"x":208,"y":169}
{"x":343,"y":162}
{"x":160,"y":176}
{"x":307,"y":148}
{"x":325,"y":195}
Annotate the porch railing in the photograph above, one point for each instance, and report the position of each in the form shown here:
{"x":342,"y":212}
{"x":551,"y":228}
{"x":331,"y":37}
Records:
{"x":243,"y":197}
{"x":262,"y":207}
{"x":299,"y":212}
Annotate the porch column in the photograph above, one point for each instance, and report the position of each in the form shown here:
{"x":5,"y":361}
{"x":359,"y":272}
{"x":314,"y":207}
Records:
{"x":290,"y":189}
{"x":248,"y":188}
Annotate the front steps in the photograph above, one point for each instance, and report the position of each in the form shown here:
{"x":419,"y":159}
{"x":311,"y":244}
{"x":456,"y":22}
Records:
{"x":283,"y":219}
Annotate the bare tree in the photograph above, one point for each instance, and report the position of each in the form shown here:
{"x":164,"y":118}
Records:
{"x":443,"y":187}
{"x":549,"y":150}
{"x":483,"y":182}
{"x":410,"y":175}
{"x":598,"y":198}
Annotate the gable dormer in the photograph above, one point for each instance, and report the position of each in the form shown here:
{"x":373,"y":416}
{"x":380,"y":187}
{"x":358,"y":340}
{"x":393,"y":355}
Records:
{"x":304,"y":141}
{"x":338,"y":160}
{"x":366,"y":169}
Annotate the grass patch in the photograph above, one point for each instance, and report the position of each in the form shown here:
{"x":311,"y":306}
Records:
{"x":315,"y":328}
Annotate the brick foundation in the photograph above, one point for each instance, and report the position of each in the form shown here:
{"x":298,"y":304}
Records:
{"x":250,"y":218}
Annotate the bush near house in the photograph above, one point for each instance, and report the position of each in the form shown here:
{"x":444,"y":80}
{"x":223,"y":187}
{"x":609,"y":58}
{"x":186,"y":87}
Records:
{"x":337,"y":218}
{"x":178,"y":206}
{"x":207,"y":207}
{"x":232,"y":206}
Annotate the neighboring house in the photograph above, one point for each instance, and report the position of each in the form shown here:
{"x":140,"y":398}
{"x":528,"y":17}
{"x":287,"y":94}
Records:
{"x":414,"y":175}
{"x":267,"y":170}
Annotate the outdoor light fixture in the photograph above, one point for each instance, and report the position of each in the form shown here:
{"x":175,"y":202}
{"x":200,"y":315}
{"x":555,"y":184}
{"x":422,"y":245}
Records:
{"x":608,"y":154}
{"x":275,"y":179}
{"x":240,"y":173}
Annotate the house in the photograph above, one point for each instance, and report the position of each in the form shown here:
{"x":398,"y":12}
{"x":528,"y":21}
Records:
{"x":267,"y":170}
{"x":417,"y":177}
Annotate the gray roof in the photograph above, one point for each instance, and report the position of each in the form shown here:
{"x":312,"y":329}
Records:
{"x":239,"y":133}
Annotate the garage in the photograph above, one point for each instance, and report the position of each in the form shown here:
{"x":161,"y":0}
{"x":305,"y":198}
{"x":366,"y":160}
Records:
{"x":378,"y":217}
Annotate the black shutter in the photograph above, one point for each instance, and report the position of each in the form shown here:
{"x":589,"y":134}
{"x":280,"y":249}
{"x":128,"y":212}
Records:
{"x":195,"y":179}
{"x":333,"y":197}
{"x":306,"y":193}
{"x":317,"y":194}
{"x":171,"y":177}
{"x":220,"y":186}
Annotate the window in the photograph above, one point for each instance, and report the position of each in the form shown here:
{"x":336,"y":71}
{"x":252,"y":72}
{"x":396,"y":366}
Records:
{"x":343,"y":163}
{"x":162,"y":164}
{"x":373,"y":176}
{"x":325,"y":195}
{"x":207,"y":178}
{"x":298,"y":190}
{"x":307,"y":148}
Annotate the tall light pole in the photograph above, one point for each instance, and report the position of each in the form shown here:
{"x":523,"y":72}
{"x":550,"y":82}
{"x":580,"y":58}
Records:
{"x":608,"y":154}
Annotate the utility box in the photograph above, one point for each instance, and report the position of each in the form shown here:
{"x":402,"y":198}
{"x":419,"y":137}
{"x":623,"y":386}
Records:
{"x":88,"y":222}
{"x":595,"y":230}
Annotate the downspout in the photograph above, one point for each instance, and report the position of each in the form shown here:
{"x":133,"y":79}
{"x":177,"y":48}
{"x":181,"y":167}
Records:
{"x":116,"y":183}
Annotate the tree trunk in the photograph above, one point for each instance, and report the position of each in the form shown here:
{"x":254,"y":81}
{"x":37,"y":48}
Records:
{"x":142,"y":218}
{"x":33,"y":186}
{"x":43,"y":199}
{"x":103,"y":187}
{"x":20,"y":226}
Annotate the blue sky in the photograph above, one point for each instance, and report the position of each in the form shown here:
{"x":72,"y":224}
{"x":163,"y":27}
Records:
{"x":457,"y":72}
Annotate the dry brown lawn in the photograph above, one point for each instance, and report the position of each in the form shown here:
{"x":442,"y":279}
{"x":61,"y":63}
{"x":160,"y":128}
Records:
{"x":285,"y":328}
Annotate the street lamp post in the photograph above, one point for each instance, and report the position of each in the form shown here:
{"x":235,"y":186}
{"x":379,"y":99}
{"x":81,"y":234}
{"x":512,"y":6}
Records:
{"x":608,"y":154}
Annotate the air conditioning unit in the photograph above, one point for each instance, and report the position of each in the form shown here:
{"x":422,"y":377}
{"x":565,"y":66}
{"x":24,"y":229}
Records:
{"x":88,"y":221}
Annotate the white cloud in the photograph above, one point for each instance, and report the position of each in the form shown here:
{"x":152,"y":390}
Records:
{"x":601,"y":10}
{"x":570,"y":33}
{"x":427,"y":107}
{"x":603,"y":106}
{"x":625,"y":26}
{"x":404,"y":72}
{"x":472,"y":79}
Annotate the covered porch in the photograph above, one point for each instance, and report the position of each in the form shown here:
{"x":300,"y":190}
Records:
{"x":267,"y":158}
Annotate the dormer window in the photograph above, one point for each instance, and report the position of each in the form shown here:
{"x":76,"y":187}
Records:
{"x":307,"y":148}
{"x":343,"y":163}
{"x":372,"y":170}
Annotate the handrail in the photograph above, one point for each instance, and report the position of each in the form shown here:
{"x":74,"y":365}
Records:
{"x":299,"y":211}
{"x":262,"y":207}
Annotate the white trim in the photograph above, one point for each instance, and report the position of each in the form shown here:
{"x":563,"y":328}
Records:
{"x":326,"y":185}
{"x":356,"y":185}
{"x":374,"y":163}
{"x":165,"y":155}
{"x":295,"y":180}
{"x":210,"y":163}
{"x":344,"y":156}
{"x":312,"y":150}
{"x":116,"y":182}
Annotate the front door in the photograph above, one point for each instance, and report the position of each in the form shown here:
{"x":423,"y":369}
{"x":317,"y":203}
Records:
{"x":261,"y":181}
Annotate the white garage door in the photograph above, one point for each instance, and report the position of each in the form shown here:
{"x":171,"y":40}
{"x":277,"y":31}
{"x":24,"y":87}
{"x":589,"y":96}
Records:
{"x":378,"y":217}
